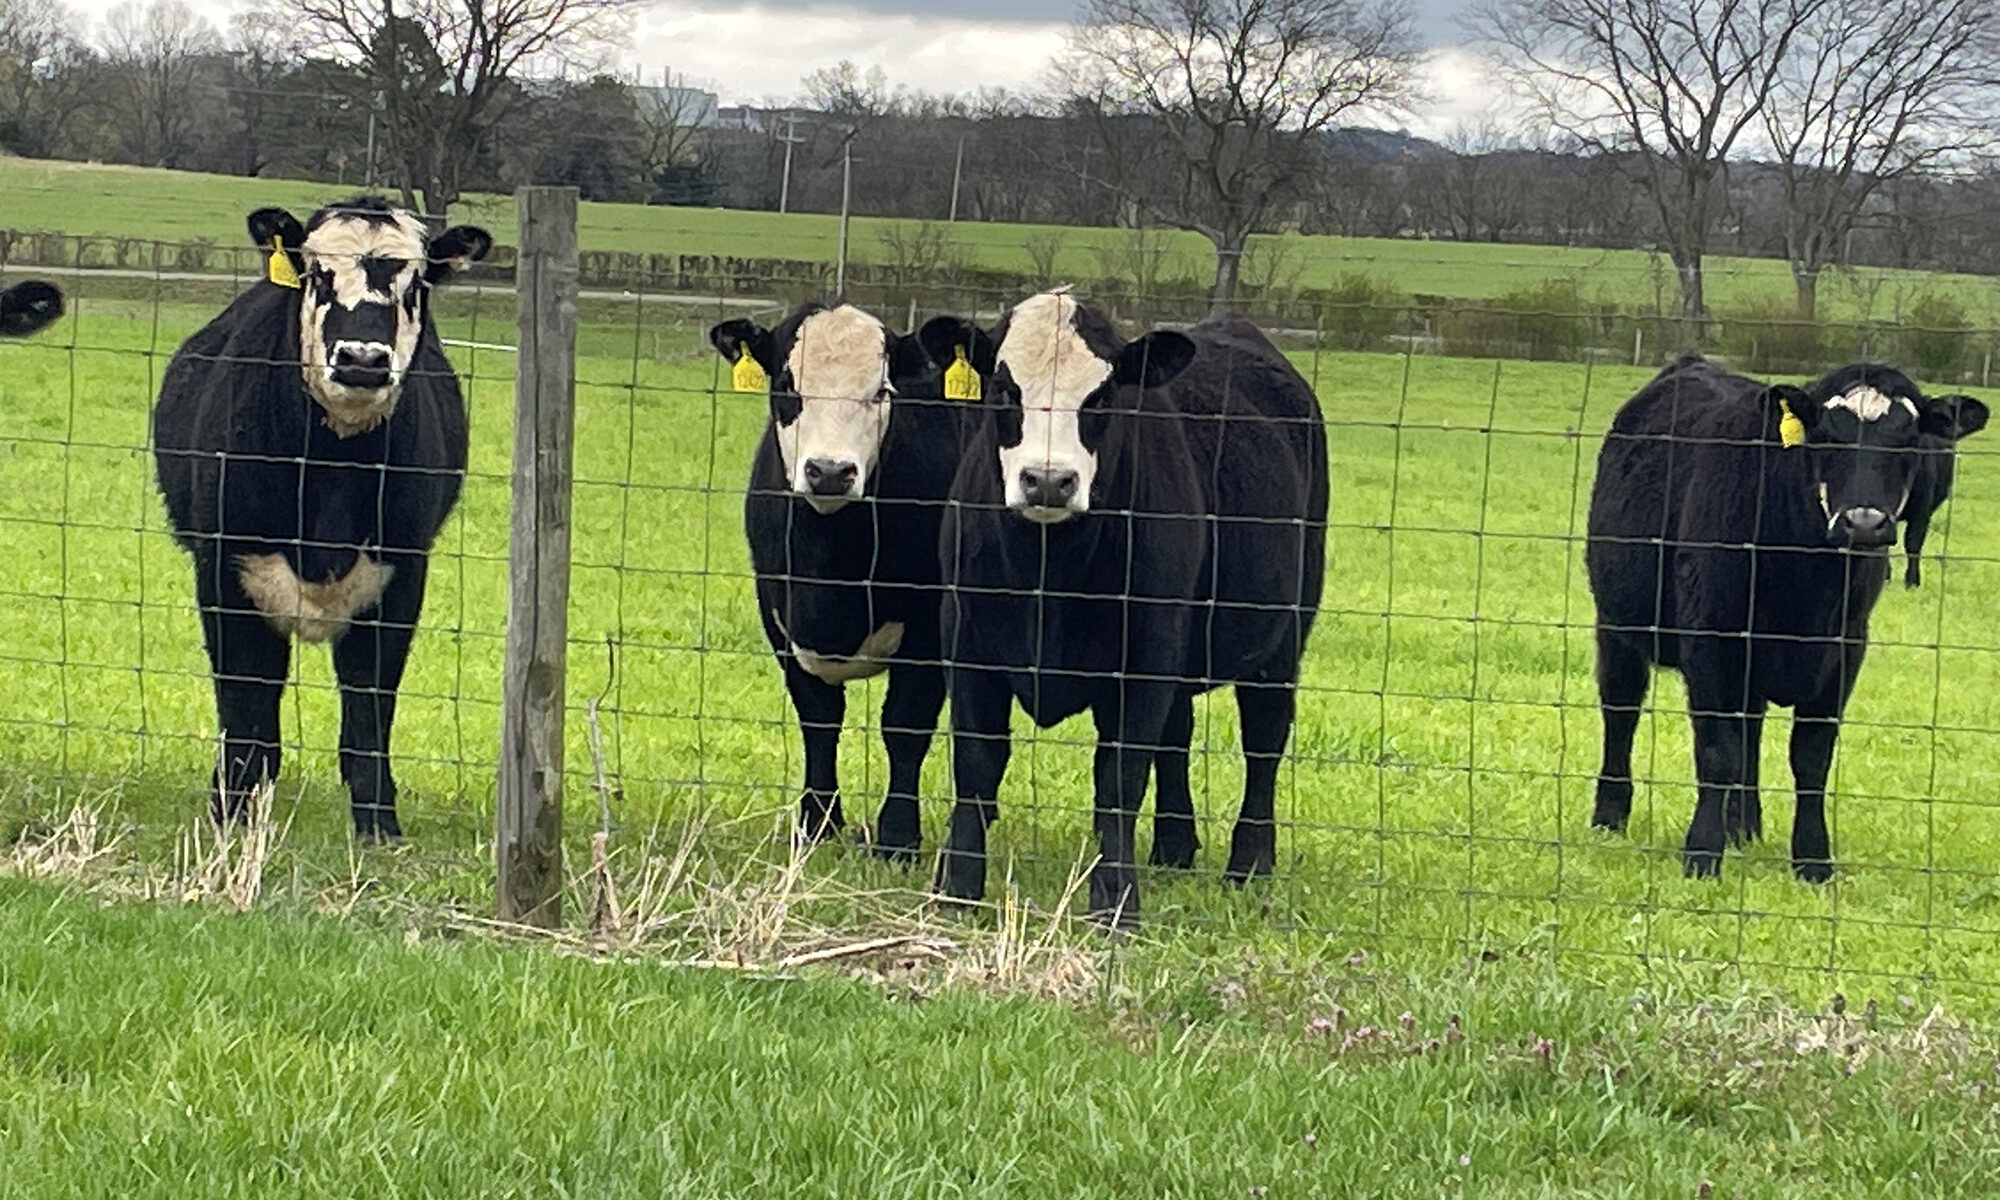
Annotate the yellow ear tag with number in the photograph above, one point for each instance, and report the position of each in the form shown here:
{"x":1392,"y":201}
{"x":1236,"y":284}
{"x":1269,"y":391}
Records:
{"x":1791,"y":430}
{"x":748,"y":374}
{"x":280,"y":270}
{"x":961,"y":382}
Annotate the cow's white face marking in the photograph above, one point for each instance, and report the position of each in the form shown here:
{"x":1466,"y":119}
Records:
{"x":1055,"y":372}
{"x":360,"y":305}
{"x":1867,"y":404}
{"x":311,"y":612}
{"x":839,"y":364}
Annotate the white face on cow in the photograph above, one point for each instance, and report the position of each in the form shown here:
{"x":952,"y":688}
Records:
{"x":1048,"y":473}
{"x":838,"y":366}
{"x":360,"y":314}
{"x":1867,"y":404}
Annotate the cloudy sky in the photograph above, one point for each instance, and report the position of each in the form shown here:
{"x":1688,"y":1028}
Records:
{"x":756,"y":50}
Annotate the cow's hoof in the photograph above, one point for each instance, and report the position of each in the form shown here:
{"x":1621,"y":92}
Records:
{"x":1252,"y":855}
{"x":377,"y":827}
{"x":819,"y":817}
{"x":1614,"y":805}
{"x":961,"y":879}
{"x":1812,"y":870}
{"x":1701,"y":864}
{"x":1174,"y":844}
{"x":896,"y":851}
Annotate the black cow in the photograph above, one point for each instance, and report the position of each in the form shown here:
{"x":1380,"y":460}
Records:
{"x":1133,"y":523}
{"x":1724,"y":507}
{"x":310,"y":442}
{"x":27,"y":306}
{"x":1937,"y":467}
{"x":846,"y":492}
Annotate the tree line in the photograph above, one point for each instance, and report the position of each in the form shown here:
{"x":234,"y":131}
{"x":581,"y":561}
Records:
{"x":1823,"y":132}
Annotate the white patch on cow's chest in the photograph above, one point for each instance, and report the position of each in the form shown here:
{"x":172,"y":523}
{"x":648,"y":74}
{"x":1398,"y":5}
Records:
{"x":871,"y":657}
{"x":840,"y":369}
{"x":311,"y":612}
{"x":1055,"y":372}
{"x":1867,"y":404}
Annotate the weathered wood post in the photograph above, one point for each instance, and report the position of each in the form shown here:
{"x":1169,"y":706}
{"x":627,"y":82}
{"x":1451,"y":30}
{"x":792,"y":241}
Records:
{"x":527,"y":840}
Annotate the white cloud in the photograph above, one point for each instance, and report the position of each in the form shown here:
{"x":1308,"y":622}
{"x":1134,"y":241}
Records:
{"x":753,"y":54}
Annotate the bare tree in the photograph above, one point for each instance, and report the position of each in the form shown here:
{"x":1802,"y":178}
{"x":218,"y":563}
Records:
{"x":846,"y":90}
{"x":672,"y":118}
{"x":44,"y":75}
{"x":1875,"y":90}
{"x":1672,"y":84}
{"x":447,"y":71}
{"x":158,"y":54}
{"x":1236,"y":94}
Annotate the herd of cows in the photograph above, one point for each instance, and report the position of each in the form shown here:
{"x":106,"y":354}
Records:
{"x":1042,"y":513}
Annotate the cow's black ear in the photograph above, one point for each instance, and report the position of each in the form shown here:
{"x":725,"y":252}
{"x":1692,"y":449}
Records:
{"x":1952,"y":417}
{"x":941,"y":337}
{"x":1784,"y":405}
{"x":907,"y":357}
{"x":731,"y":337}
{"x":268,"y":223}
{"x":1153,"y":360}
{"x":453,"y":250}
{"x":27,"y":306}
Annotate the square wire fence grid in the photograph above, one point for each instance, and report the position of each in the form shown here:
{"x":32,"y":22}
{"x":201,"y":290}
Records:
{"x":1435,"y":794}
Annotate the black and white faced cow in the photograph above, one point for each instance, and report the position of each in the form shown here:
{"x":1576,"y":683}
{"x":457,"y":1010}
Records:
{"x":27,"y":306}
{"x":310,"y":442}
{"x":1133,"y":523}
{"x":846,"y":492}
{"x":1739,"y":534}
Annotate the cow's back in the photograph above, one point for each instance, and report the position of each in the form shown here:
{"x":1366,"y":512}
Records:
{"x":1255,"y":431}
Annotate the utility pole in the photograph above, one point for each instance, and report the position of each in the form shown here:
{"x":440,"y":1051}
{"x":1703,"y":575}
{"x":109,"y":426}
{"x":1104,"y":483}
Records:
{"x":790,"y":139}
{"x":957,"y":170}
{"x":846,"y":190}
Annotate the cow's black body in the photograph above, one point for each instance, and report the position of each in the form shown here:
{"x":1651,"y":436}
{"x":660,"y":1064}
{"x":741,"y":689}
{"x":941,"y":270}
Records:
{"x":1200,"y":563}
{"x":248,"y":467}
{"x":1709,"y":552}
{"x":828,"y":581}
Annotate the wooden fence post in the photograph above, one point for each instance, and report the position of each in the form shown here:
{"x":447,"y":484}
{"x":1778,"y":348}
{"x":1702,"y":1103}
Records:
{"x":527,"y":840}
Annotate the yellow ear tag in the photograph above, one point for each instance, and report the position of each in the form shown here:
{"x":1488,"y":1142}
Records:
{"x":961,"y":382}
{"x":280,"y":269}
{"x":748,"y":374}
{"x":1791,"y":430}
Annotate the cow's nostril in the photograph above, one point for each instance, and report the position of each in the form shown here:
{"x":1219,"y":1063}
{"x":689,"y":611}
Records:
{"x":831,"y":477}
{"x":1048,"y":487}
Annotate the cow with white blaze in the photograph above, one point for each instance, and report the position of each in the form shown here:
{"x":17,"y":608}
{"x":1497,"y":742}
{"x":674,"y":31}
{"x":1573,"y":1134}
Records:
{"x":1739,"y":533}
{"x":846,"y":492}
{"x":1132,"y":524}
{"x":27,"y":306}
{"x":310,"y":442}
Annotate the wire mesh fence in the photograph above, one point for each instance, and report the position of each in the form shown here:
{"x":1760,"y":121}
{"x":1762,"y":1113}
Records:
{"x":1433,"y":802}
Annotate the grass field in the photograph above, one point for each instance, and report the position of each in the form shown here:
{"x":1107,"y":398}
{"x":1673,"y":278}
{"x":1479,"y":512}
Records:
{"x":83,"y":199}
{"x":1435,"y":807}
{"x":171,"y":1052}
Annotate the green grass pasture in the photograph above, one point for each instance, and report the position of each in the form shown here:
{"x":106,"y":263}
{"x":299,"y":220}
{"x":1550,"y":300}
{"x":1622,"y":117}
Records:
{"x":1435,"y":806}
{"x":172,"y":206}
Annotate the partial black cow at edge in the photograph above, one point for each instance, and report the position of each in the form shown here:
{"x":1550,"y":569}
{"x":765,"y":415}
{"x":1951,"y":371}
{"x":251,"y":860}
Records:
{"x":1133,"y":524}
{"x":846,"y":492}
{"x":310,"y":442}
{"x":1725,"y":507}
{"x":28,"y":306}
